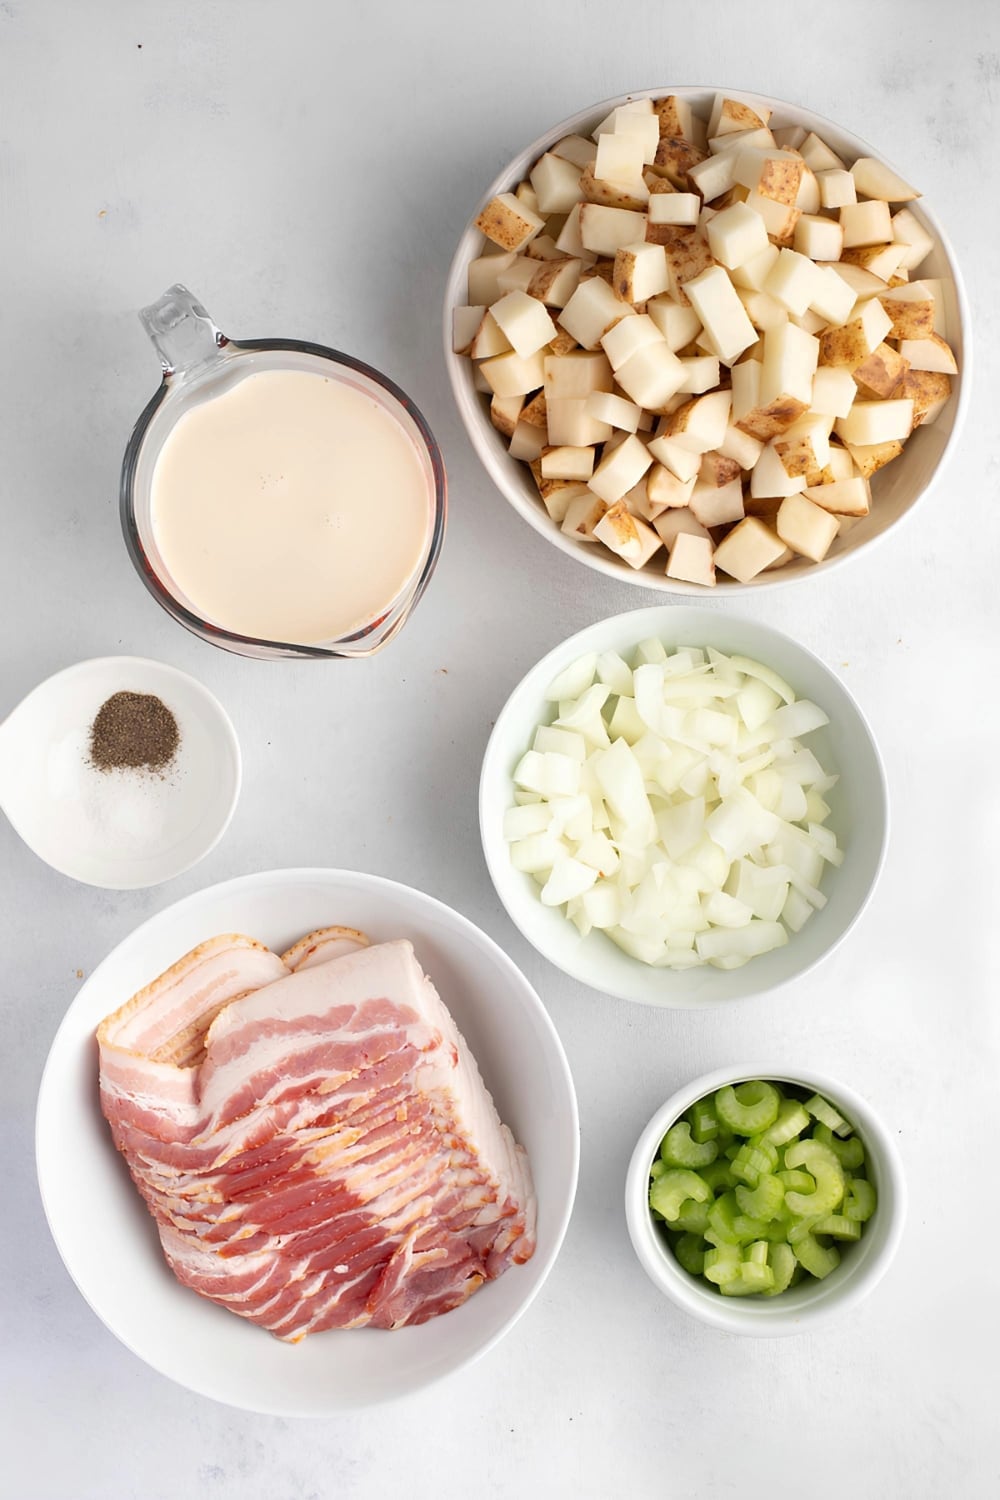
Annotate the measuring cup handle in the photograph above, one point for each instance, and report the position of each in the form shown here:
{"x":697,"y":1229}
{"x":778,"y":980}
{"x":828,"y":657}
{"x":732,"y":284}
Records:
{"x":181,"y":331}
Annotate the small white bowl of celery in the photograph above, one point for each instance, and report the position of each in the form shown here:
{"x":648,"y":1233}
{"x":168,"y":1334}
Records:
{"x":763,"y":1204}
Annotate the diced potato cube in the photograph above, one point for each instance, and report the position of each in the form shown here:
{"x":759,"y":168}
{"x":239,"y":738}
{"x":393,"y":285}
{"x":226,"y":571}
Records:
{"x":788,"y":366}
{"x":882,"y":261}
{"x":869,"y":459}
{"x":699,"y":425}
{"x":819,"y":238}
{"x":870,"y":422}
{"x":592,"y":310}
{"x":716,"y":469}
{"x":489,"y":339}
{"x":731,"y":115}
{"x":873,"y":179}
{"x":770,"y":480}
{"x":678,"y":325}
{"x":908,"y":231}
{"x":574,"y":148}
{"x":640,"y":271}
{"x":555,"y":281}
{"x":881,"y":373}
{"x":836,"y":189}
{"x":676,"y":119}
{"x":713,"y":176}
{"x":736,"y":235}
{"x":582,"y":515}
{"x":748,"y":549}
{"x":818,"y":156}
{"x":833,"y":298}
{"x":628,"y":336}
{"x":807,"y":198}
{"x":930,"y":353}
{"x":674,"y":208}
{"x":701,"y":373}
{"x":527,"y":442}
{"x":465,"y":324}
{"x":620,"y":157}
{"x":929,"y":391}
{"x":845,"y":497}
{"x":625,"y":193}
{"x":741,"y":447}
{"x":687,"y":257}
{"x":690,"y":558}
{"x":651,"y":376}
{"x":792,"y":281}
{"x":772,"y":173}
{"x":753,"y":273}
{"x":512,"y":375}
{"x":780,"y":218}
{"x":614,"y":410}
{"x":518,"y":275}
{"x":672,"y":523}
{"x":717,"y":505}
{"x":508,"y":222}
{"x":664,"y":491}
{"x":570,"y":425}
{"x":722,"y":314}
{"x":619,"y":470}
{"x":556,"y":182}
{"x":802,"y":454}
{"x":841,"y":462}
{"x":576,"y":375}
{"x":833,"y":391}
{"x":483,"y":277}
{"x":851,"y":345}
{"x":604,"y":230}
{"x":524,"y":322}
{"x":536,"y":411}
{"x":626,"y":535}
{"x":568,"y":463}
{"x":681,"y":462}
{"x":805,"y":527}
{"x":868,"y":223}
{"x":912,"y":317}
{"x":504,"y":413}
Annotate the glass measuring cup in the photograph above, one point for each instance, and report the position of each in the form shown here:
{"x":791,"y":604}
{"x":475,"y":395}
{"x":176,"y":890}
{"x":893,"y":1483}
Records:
{"x":200,"y":362}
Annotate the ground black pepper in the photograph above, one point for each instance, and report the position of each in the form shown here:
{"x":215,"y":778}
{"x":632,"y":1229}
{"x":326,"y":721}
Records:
{"x":133,"y":731}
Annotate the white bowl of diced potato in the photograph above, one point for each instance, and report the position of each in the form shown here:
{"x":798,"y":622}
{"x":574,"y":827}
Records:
{"x":730,"y":364}
{"x":753,"y":946}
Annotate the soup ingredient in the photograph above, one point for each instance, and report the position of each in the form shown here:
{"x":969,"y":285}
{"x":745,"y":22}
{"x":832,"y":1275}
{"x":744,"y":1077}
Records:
{"x":726,"y":335}
{"x":293,"y":507}
{"x":312,"y":1135}
{"x":671,"y":805}
{"x":770,"y":1202}
{"x":133,"y":731}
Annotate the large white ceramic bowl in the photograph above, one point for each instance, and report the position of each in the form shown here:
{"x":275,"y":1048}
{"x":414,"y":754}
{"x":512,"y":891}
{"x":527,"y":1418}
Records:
{"x":109,"y":1242}
{"x":859,"y":811}
{"x":802,"y":1307}
{"x":895,"y":490}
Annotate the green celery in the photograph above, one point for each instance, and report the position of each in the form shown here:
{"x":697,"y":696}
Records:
{"x":861,"y":1199}
{"x":850,"y":1152}
{"x":693,"y":1217}
{"x":723,"y":1264}
{"x":781,"y":1259}
{"x":748,"y":1108}
{"x":839,"y":1227}
{"x":670,"y":1191}
{"x":819,"y":1260}
{"x":679,"y":1150}
{"x":822,"y":1110}
{"x":821,"y":1163}
{"x":704,"y":1121}
{"x":690,"y":1251}
{"x":792,"y":1120}
{"x":763,"y":1201}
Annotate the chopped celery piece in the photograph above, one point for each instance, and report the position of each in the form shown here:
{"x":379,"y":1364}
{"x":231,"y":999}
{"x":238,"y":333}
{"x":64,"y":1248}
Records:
{"x":799,"y":1228}
{"x":824,"y":1111}
{"x":704,"y":1121}
{"x":693,"y":1217}
{"x":757,"y":1253}
{"x":673,"y":1188}
{"x":738,"y":1288}
{"x":781,"y":1259}
{"x":679,"y":1150}
{"x":748,"y":1108}
{"x":690,"y":1250}
{"x":723,"y":1263}
{"x":754,"y":1161}
{"x":819,"y":1260}
{"x":748,"y":1229}
{"x":732,"y":1150}
{"x":718,"y":1175}
{"x":796,"y":1181}
{"x":758,"y":1276}
{"x":763,"y":1201}
{"x":850,"y":1152}
{"x":820,"y":1162}
{"x":860,"y":1199}
{"x":792,"y":1121}
{"x":839,"y":1227}
{"x":658,"y":1168}
{"x":721,"y":1228}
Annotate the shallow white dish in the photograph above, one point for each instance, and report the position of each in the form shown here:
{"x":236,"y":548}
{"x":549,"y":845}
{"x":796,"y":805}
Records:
{"x":799,"y":1309}
{"x":143,"y":828}
{"x":108,"y":1240}
{"x":859,"y":811}
{"x":896,"y":489}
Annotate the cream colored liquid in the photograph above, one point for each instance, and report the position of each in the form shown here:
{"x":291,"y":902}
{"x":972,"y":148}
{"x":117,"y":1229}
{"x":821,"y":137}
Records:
{"x":293,"y":507}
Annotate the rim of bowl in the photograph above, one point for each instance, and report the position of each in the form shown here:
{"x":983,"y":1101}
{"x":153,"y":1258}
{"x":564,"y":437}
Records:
{"x":504,"y":476}
{"x":494,"y":849}
{"x":861,"y":1268}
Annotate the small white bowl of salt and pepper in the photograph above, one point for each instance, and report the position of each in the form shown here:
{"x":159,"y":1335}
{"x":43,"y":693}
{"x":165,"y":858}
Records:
{"x":119,"y":772}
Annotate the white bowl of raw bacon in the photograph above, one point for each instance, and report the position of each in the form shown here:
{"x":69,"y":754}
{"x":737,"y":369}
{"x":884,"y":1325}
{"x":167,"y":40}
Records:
{"x":630,"y":442}
{"x":318,"y":1146}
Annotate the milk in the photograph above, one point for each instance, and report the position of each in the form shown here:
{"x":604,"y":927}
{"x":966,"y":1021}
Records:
{"x":292,"y":507}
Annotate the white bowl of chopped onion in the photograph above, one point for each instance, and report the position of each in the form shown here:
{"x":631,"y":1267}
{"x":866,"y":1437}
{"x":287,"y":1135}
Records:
{"x":852,"y":1270}
{"x":698,"y":814}
{"x":506,"y":449}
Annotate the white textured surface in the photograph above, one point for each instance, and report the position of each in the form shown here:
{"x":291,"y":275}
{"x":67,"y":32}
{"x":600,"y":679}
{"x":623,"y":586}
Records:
{"x":307,"y":168}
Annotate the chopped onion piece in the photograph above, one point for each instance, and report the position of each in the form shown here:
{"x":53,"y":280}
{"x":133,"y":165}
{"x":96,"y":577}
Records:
{"x":569,"y":878}
{"x":575,"y":680}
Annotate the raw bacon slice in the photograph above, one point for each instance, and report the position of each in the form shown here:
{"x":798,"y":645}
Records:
{"x":323,"y":1152}
{"x":319,"y":947}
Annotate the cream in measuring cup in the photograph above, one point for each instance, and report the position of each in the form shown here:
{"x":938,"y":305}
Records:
{"x":279,"y":498}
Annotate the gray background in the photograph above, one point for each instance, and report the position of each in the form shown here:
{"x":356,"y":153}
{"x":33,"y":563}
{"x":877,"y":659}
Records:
{"x":306,"y":168}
